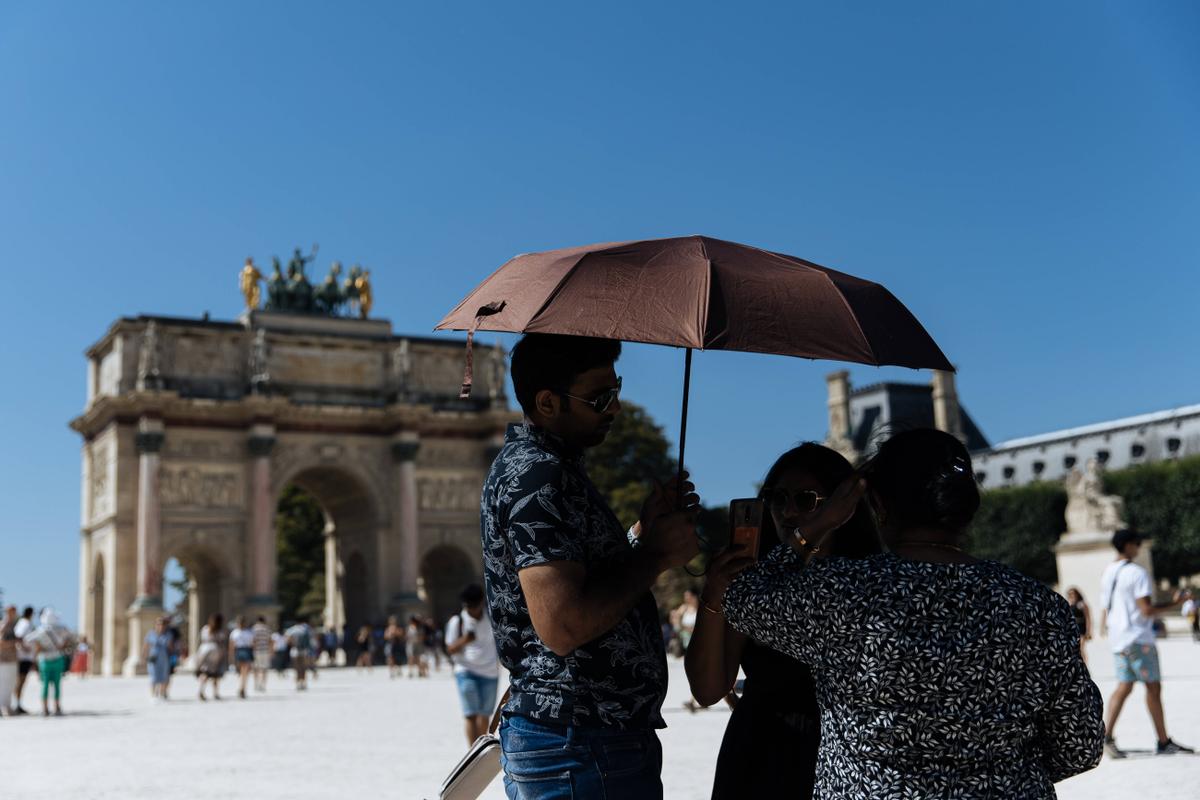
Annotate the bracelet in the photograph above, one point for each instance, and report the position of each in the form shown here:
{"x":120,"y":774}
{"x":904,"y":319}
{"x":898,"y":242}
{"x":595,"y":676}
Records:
{"x":710,"y":609}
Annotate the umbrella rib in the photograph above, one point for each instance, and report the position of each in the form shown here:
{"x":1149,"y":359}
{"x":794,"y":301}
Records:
{"x":854,"y":317}
{"x":707,"y":291}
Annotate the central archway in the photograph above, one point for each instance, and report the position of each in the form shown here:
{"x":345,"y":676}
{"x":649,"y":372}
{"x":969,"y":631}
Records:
{"x":342,"y":547}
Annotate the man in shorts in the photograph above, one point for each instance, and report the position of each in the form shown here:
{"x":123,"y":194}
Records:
{"x":476,"y":666}
{"x":1125,"y":592}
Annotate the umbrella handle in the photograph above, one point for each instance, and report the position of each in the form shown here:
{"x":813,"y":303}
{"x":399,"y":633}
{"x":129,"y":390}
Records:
{"x":683,"y":416}
{"x":469,"y":368}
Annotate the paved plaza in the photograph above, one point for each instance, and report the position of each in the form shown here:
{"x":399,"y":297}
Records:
{"x":362,"y":735}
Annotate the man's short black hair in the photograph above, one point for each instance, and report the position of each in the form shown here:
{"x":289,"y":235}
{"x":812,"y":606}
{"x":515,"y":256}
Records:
{"x":1124,"y":537}
{"x":472,"y":595}
{"x":553,"y":361}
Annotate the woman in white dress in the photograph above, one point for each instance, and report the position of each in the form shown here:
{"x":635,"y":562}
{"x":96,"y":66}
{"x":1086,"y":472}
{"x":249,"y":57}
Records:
{"x":211,"y":661}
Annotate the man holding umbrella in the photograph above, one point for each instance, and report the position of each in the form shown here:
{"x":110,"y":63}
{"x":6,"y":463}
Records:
{"x":569,"y":589}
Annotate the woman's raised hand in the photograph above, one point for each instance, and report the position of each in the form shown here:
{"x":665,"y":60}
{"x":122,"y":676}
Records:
{"x":835,"y":512}
{"x":721,"y":572}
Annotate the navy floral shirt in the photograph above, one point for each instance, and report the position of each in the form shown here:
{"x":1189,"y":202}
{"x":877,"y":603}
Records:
{"x":539,"y":506}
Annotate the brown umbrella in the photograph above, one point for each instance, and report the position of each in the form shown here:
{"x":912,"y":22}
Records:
{"x":698,"y":293}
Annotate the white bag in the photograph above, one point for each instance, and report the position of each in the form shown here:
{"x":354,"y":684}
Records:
{"x":479,"y":767}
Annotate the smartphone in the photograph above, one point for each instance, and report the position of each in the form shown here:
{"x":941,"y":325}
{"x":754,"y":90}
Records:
{"x":745,"y":522}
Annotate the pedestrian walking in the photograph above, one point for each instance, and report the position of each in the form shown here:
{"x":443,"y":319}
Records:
{"x":683,"y":618}
{"x":1191,"y":612}
{"x":299,"y":639}
{"x":81,"y":661}
{"x":414,"y":648}
{"x":472,"y":650}
{"x":1083,"y":619}
{"x":393,"y":646}
{"x":363,"y":640}
{"x":8,"y":660}
{"x":281,"y":658}
{"x":1127,"y":618}
{"x":262,"y":653}
{"x":23,"y":628}
{"x":50,"y":642}
{"x":211,"y":656}
{"x":241,"y":652}
{"x":156,"y":653}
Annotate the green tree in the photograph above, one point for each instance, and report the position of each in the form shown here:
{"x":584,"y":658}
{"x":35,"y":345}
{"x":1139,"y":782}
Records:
{"x":1162,"y":501}
{"x":300,"y":550}
{"x":1019,"y":527}
{"x":634,"y":455}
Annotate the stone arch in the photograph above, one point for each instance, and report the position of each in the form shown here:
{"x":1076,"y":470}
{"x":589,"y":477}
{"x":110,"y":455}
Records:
{"x":97,"y":588}
{"x":445,"y":571}
{"x":355,"y":524}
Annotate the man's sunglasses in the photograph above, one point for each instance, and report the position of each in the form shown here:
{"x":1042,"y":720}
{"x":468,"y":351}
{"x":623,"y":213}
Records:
{"x":601,"y":402}
{"x":805,"y":501}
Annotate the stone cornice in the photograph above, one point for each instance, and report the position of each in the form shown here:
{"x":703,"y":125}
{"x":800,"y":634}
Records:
{"x":176,"y":411}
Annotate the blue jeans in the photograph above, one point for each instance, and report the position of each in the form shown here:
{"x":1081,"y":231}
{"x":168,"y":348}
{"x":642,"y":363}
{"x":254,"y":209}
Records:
{"x":547,"y":762}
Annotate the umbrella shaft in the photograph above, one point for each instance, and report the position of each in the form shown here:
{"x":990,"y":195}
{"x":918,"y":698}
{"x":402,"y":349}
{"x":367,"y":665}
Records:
{"x":683,"y":416}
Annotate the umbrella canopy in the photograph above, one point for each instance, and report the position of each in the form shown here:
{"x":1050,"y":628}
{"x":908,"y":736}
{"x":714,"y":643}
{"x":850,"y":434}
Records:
{"x":700,"y":293}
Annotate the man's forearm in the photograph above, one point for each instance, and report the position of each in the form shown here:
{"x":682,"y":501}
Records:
{"x":602,"y":600}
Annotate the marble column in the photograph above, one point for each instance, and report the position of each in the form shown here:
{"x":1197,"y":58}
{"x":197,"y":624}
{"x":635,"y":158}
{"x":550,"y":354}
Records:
{"x":147,"y":606}
{"x":404,"y":453}
{"x":335,"y":609}
{"x":262,"y":524}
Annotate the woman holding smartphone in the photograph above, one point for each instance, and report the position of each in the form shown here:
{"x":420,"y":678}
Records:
{"x":770,"y":744}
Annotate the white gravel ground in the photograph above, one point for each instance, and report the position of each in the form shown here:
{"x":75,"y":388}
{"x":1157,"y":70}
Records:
{"x":363,"y":736}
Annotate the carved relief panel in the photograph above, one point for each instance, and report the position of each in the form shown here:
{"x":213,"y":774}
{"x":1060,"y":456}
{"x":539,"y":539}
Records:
{"x":201,"y":487}
{"x":449,"y":492}
{"x":102,"y":463}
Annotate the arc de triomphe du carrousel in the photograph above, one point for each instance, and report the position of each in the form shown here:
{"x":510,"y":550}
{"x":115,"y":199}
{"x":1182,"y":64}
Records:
{"x":194,"y":427}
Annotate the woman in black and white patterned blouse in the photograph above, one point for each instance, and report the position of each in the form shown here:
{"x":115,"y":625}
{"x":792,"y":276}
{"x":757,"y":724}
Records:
{"x":938,"y":675}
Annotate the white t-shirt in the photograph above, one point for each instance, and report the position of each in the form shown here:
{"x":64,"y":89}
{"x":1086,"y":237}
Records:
{"x":1120,"y":587}
{"x":22,"y":629}
{"x":279,"y":642}
{"x":242,"y":637}
{"x":479,"y":656}
{"x":1189,"y":607}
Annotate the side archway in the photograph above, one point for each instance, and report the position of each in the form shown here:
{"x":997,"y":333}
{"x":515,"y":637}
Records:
{"x":445,"y":572}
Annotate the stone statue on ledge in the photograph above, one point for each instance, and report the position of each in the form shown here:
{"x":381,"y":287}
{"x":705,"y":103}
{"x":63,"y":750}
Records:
{"x":294,"y":294}
{"x":1089,"y":509}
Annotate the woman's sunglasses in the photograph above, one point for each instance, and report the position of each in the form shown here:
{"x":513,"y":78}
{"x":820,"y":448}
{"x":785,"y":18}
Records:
{"x":601,"y":402}
{"x":805,"y":501}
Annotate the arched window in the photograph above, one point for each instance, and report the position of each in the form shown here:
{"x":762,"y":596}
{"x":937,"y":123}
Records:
{"x":1069,"y":461}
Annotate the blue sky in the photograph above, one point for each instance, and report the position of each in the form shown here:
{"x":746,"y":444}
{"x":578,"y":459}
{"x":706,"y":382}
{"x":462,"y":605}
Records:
{"x":1022,"y":175}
